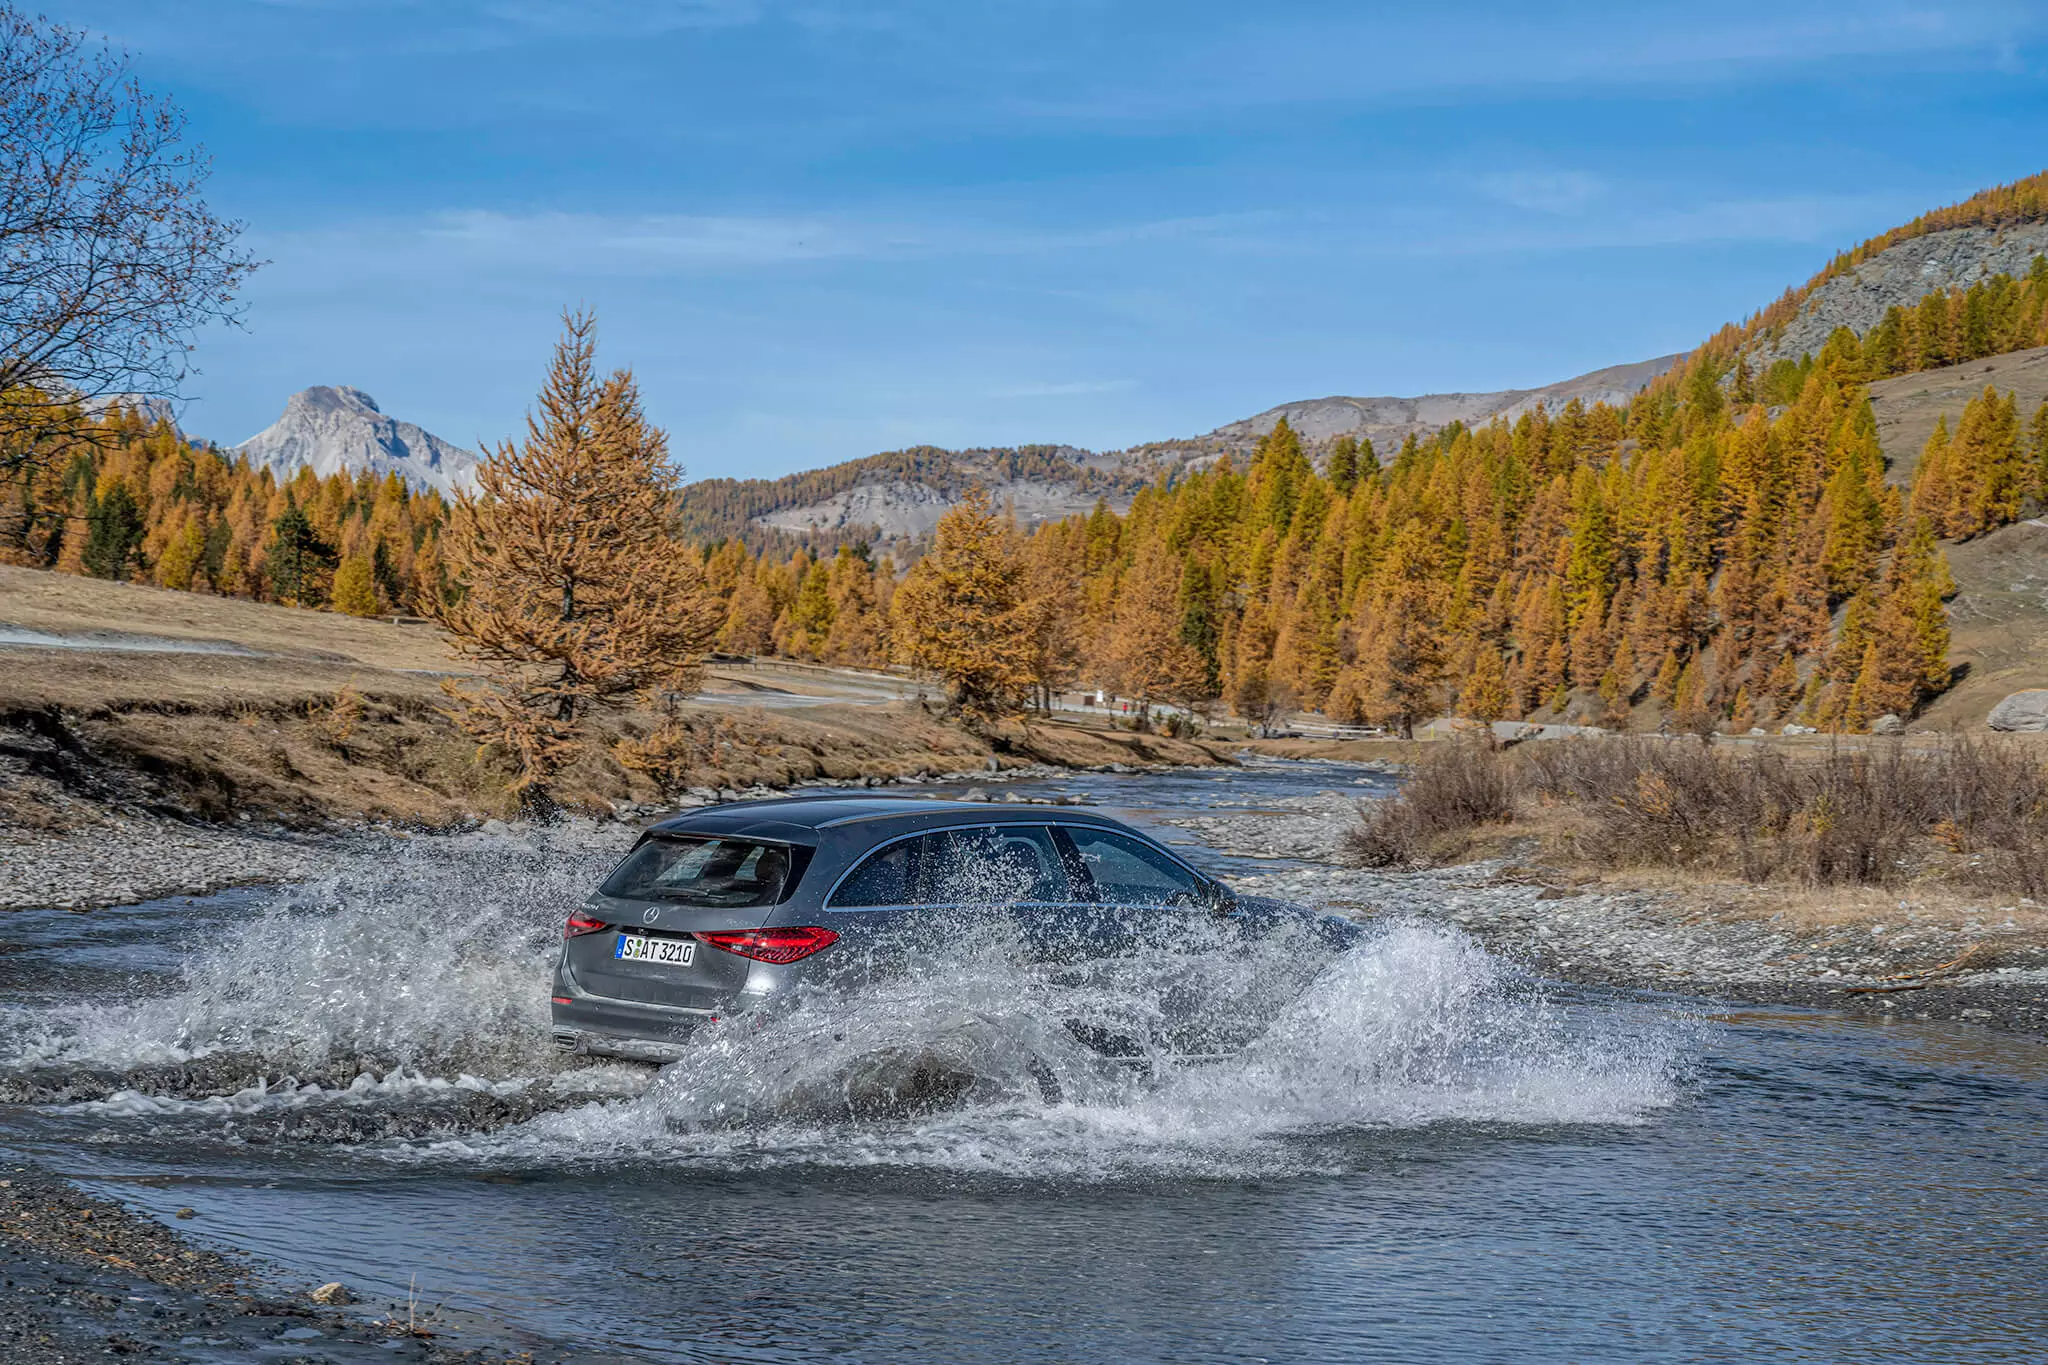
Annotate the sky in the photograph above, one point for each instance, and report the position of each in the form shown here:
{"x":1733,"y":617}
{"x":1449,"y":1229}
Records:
{"x":816,"y":229}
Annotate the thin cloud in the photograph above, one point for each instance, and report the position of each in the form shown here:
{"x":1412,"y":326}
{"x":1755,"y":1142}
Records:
{"x":1544,"y":191}
{"x":706,"y":240}
{"x":1073,"y":389}
{"x":1795,"y":218}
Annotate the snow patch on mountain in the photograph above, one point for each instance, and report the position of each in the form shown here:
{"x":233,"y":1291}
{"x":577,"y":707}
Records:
{"x":333,"y":428}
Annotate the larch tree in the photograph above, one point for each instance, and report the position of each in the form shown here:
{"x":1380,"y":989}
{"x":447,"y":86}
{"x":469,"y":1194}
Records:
{"x":964,"y":615}
{"x":1485,"y":693}
{"x":576,"y":596}
{"x":355,"y":587}
{"x":1149,"y":653}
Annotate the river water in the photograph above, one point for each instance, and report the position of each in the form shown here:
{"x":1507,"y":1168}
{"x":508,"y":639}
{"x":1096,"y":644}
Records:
{"x":1430,"y":1156}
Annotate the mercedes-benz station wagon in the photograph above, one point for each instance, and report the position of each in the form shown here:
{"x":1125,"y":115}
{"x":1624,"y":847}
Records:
{"x":726,"y":910}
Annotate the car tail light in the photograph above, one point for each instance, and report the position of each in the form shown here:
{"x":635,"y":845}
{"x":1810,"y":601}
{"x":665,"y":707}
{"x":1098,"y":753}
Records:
{"x":580,"y":923}
{"x":770,"y":945}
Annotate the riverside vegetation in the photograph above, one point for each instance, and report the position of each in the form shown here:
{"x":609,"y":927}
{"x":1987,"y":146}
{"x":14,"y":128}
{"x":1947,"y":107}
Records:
{"x":1951,"y":814}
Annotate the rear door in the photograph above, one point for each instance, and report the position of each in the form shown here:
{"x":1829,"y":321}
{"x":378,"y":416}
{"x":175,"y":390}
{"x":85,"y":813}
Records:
{"x":924,"y":894}
{"x":634,"y":941}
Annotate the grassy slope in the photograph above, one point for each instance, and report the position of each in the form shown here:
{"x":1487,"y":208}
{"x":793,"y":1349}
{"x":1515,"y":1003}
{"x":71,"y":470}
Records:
{"x":2000,"y":615}
{"x":224,"y":735}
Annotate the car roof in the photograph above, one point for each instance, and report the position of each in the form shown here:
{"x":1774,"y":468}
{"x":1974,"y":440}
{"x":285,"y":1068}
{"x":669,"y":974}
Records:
{"x":801,"y":819}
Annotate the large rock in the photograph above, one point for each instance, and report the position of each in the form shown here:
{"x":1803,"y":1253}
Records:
{"x":2026,"y":710}
{"x":1887,"y":725}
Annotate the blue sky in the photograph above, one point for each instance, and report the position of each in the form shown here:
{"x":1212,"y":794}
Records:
{"x":820,"y":229}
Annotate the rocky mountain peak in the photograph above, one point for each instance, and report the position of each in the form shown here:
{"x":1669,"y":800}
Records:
{"x":329,"y":397}
{"x":330,"y":428}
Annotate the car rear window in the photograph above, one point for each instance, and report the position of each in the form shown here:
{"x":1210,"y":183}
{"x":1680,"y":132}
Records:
{"x":701,"y":870}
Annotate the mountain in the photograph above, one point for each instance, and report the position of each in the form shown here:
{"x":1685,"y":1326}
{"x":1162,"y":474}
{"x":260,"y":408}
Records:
{"x":900,"y":495}
{"x":1390,"y":421}
{"x":148,"y":409}
{"x":336,"y":428}
{"x":1995,"y":231}
{"x":1899,"y":276}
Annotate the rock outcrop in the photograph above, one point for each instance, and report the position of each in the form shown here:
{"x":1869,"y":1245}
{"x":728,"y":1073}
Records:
{"x":332,"y":429}
{"x":2022,"y":711}
{"x":1389,"y":421}
{"x":1903,"y":275}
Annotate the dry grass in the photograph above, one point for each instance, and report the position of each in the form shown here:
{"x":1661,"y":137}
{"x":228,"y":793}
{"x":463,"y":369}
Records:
{"x":1959,"y":812}
{"x":328,"y":718}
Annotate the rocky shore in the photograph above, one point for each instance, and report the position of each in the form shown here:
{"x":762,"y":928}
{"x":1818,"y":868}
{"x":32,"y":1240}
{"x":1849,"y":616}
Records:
{"x":83,"y":1279}
{"x":1894,"y":959}
{"x":110,"y":857}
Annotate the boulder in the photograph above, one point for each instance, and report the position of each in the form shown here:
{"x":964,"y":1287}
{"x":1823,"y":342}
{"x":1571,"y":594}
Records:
{"x":2026,"y":710}
{"x":1799,"y":730}
{"x":1887,"y":725}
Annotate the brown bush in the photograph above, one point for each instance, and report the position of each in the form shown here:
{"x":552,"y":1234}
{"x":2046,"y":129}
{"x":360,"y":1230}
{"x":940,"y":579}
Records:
{"x":1453,"y":790}
{"x":1966,"y":811}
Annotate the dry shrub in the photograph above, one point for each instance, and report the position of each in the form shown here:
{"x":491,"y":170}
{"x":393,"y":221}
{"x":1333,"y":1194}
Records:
{"x":336,"y":723}
{"x":1962,"y":810}
{"x":1455,"y":789}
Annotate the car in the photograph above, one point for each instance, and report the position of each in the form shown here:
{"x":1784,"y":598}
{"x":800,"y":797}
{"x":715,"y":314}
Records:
{"x":728,"y":911}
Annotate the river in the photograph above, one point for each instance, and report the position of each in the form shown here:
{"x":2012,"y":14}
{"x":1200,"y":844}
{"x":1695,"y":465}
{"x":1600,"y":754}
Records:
{"x":1435,"y":1156}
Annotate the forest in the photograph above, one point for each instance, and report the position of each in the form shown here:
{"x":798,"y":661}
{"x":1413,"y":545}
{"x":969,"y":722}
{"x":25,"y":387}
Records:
{"x":1723,"y":551}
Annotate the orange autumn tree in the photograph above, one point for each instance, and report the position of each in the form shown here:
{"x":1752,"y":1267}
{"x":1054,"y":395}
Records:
{"x":577,"y":596}
{"x":964,"y":615}
{"x":1148,"y":656}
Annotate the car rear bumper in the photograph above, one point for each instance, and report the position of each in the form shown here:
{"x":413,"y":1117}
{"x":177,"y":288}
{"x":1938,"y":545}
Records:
{"x":612,"y":1028}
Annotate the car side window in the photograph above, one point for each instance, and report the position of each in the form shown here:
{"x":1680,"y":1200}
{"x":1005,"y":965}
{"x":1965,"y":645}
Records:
{"x":986,"y":865}
{"x":1129,"y":871}
{"x":990,"y":865}
{"x":883,"y":879}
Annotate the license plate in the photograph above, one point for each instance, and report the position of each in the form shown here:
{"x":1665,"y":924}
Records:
{"x":665,"y":952}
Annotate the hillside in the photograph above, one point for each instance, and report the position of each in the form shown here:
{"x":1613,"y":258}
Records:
{"x":1908,"y":405}
{"x":1899,"y":277}
{"x":1389,"y":421}
{"x":896,"y":498}
{"x":1999,"y":616}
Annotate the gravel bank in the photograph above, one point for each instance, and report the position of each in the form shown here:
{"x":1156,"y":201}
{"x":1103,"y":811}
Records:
{"x":1982,"y":967}
{"x":123,"y":859}
{"x":116,"y":857}
{"x":82,"y":1279}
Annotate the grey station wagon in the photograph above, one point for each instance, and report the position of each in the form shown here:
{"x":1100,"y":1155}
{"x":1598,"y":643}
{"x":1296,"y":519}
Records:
{"x":728,"y":910}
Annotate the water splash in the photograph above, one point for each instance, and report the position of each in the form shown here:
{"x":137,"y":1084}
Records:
{"x":433,"y":956}
{"x":969,"y":1067}
{"x":399,"y":1005}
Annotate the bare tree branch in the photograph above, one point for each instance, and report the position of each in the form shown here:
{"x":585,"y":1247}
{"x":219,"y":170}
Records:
{"x":110,"y":259}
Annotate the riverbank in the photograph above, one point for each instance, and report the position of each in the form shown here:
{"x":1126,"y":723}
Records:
{"x":86,"y":1278}
{"x":122,"y":703}
{"x":1897,"y":956}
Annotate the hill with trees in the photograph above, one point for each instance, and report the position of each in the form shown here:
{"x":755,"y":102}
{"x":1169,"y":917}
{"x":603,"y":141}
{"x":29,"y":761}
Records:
{"x":1745,"y":541}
